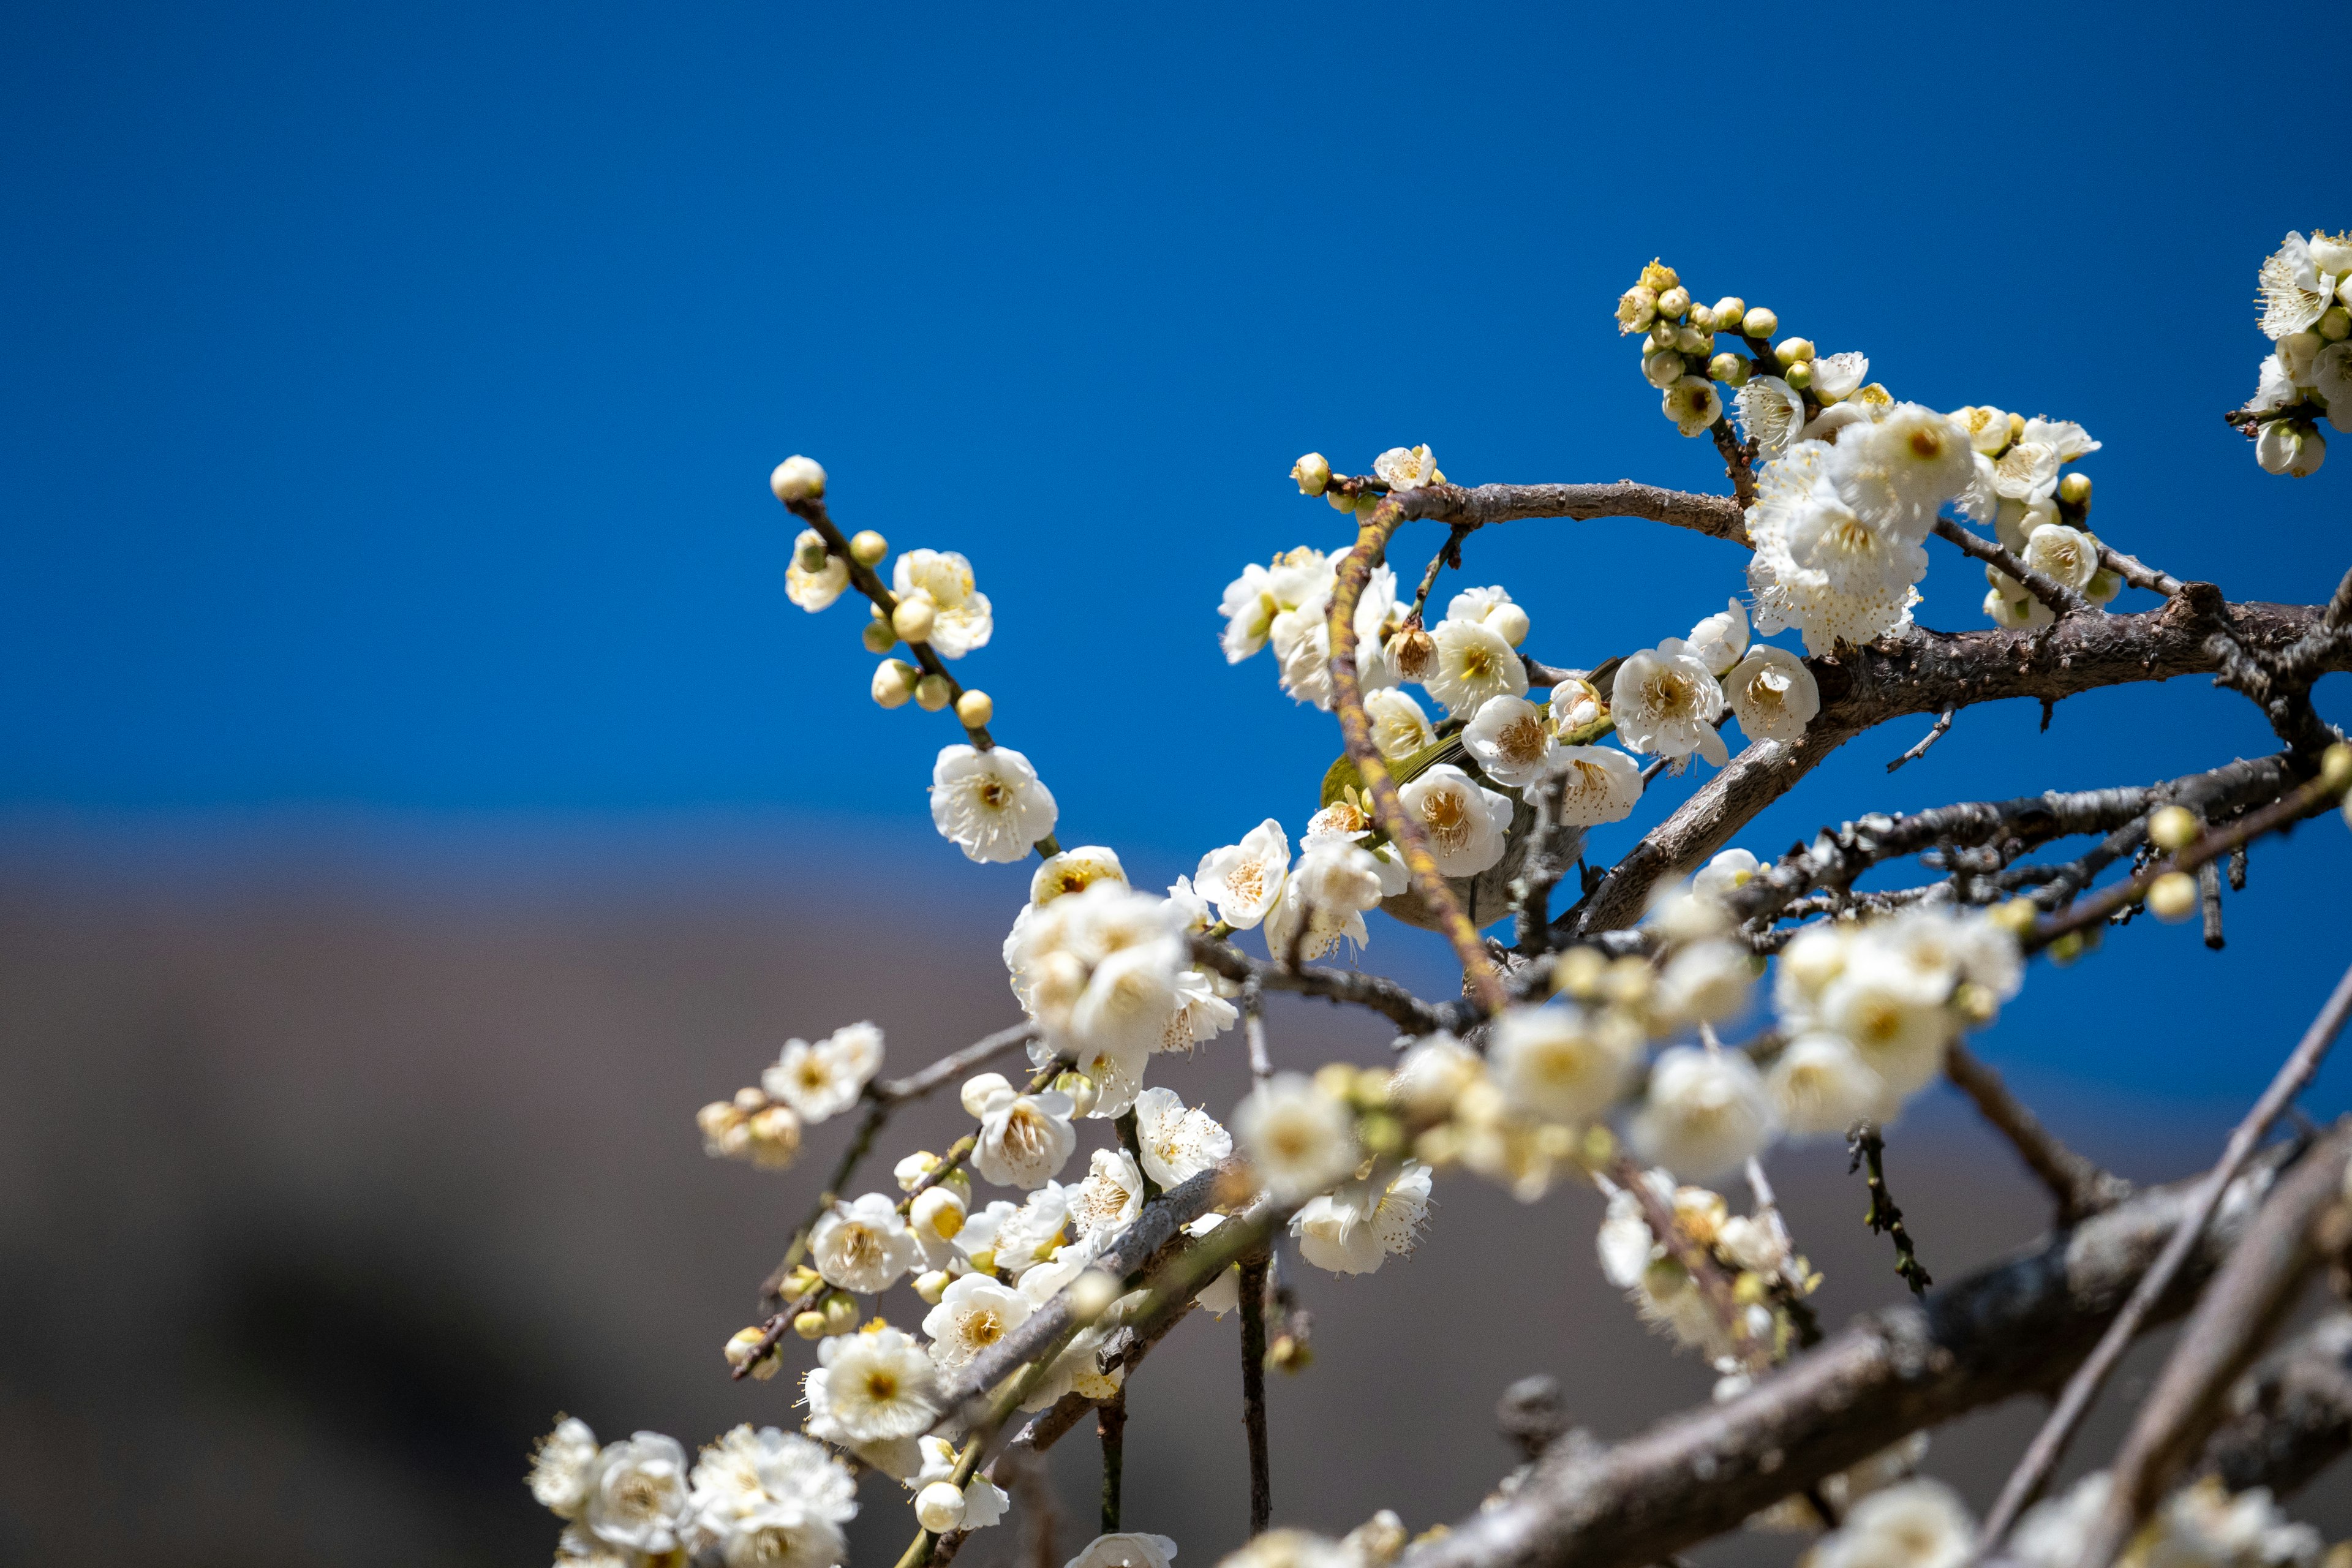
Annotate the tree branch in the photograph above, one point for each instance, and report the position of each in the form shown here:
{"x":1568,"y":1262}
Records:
{"x":2081,"y":1188}
{"x":2293,"y":1415}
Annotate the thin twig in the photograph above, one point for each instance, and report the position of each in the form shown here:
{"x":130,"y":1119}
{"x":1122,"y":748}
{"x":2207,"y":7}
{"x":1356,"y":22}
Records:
{"x":1934,"y":734}
{"x":1110,"y":1425}
{"x":2049,"y":1446}
{"x":2137,"y":573}
{"x":1867,"y":1146}
{"x":949,"y":1069}
{"x":2061,"y":600}
{"x":1261,"y":1472}
{"x":2080,"y":1185}
{"x":1261,"y":1062}
{"x":1381,"y":994}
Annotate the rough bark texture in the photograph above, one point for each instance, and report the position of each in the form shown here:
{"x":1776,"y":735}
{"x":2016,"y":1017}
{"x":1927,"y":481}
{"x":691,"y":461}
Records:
{"x":2291,"y":1416}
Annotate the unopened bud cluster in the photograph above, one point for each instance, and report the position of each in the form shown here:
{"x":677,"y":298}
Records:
{"x":1678,"y":344}
{"x":2305,"y":291}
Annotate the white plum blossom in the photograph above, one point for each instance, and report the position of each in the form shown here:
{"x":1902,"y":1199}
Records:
{"x":1666,"y":700}
{"x":1705,"y":1112}
{"x":825,"y":1078}
{"x":1574,"y":705}
{"x":1704,"y":983}
{"x":2287,"y":448}
{"x":2331,"y":378}
{"x":2027,"y":472}
{"x":1720,"y":639}
{"x":1601,"y":784}
{"x":1097,"y":969}
{"x":863,"y":1246}
{"x":1465,"y":823}
{"x":2064,"y":436}
{"x":990,"y":804}
{"x":1260,"y":594}
{"x":1820,"y":567}
{"x":1477,"y":607}
{"x":1510,"y":739}
{"x":1399,"y":726}
{"x":960,"y":618}
{"x":1725,"y":874}
{"x":1074,"y":871}
{"x":971,"y":1316}
{"x":1201,"y":1012}
{"x":1030,"y":1233}
{"x":1473,"y":662}
{"x":1245,"y":879}
{"x":1363,"y":1224}
{"x":1692,"y":403}
{"x":878,"y":1385}
{"x":638,"y":1499}
{"x":1839,"y":376}
{"x":1820,"y":1084}
{"x":2293,"y":292}
{"x":1770,"y":413}
{"x":1177,"y":1142}
{"x":815,"y":590}
{"x":1110,"y":1197}
{"x":1896,"y":471}
{"x":1298,"y":1139}
{"x":563,"y":1466}
{"x":1302,"y":640}
{"x":1920,"y":1523}
{"x":1559,"y":1062}
{"x":1329,"y":892}
{"x":1772,"y":694}
{"x":1124,"y":1551}
{"x":1407,"y":467}
{"x":1024,"y":1138}
{"x":773,"y":1499}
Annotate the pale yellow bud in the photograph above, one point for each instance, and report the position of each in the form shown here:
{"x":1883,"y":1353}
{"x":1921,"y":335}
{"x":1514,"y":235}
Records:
{"x":1578,"y":973}
{"x":939,"y":1508}
{"x":879,"y":637}
{"x":2075,"y":490}
{"x":1662,"y":369}
{"x":1085,"y":1092}
{"x":1702,"y":318}
{"x":1660,"y":276}
{"x":809,"y":1325}
{"x":933,"y":1285}
{"x":2173,"y":896}
{"x":797,"y":478}
{"x":2336,"y":766}
{"x":840,"y":1313}
{"x":1731,"y":312}
{"x":1674,"y":301}
{"x":2337,"y":325}
{"x":1312,"y":474}
{"x":894,"y":683}
{"x":1508,"y":622}
{"x":932,"y":694}
{"x":1336,"y":1079}
{"x":1339,"y":501}
{"x":2173,"y":828}
{"x":1794,"y":351}
{"x":867,"y":547}
{"x":1799,"y":375}
{"x":2017,"y":917}
{"x":2017,"y":426}
{"x":1729,"y":369}
{"x":913,"y":618}
{"x":1759,"y":323}
{"x":975,"y":709}
{"x":744,"y":1346}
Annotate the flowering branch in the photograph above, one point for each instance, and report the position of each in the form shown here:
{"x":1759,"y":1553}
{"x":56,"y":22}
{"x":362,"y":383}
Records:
{"x":1354,"y":988}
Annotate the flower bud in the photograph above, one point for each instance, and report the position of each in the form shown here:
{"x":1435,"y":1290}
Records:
{"x":939,"y":1211}
{"x":1975,"y":1002}
{"x":2017,"y":426}
{"x":939,"y":1508}
{"x":1339,"y":501}
{"x":2067,"y":949}
{"x":1629,"y":981}
{"x":1413,"y":654}
{"x":1636,"y":307}
{"x":1662,"y":369}
{"x":808,"y":551}
{"x":1729,"y":369}
{"x":2016,"y":917}
{"x":1799,"y":375}
{"x":1091,"y":1294}
{"x":1509,"y":622}
{"x":1336,"y":1079}
{"x":1289,"y":1354}
{"x":867,"y":547}
{"x":801,"y":1281}
{"x":747,"y":1099}
{"x":2296,"y":351}
{"x":1085,"y":1092}
{"x":880,"y":636}
{"x":809,"y":1325}
{"x":1729,"y":312}
{"x":2289,"y":447}
{"x":1659,"y":276}
{"x":1759,"y":323}
{"x":933,"y":1284}
{"x":1664,"y":334}
{"x":1311,"y":473}
{"x":932,"y":694}
{"x":913,"y":618}
{"x":980,"y":1091}
{"x":2075,"y":490}
{"x":2336,"y":766}
{"x":1702,"y":318}
{"x":840,"y":1313}
{"x":797,"y":478}
{"x":2172,"y":897}
{"x":747,"y":1342}
{"x":894,"y":683}
{"x":1794,"y":351}
{"x":1578,"y":973}
{"x":2173,"y":828}
{"x":2103,"y":586}
{"x":975,"y":709}
{"x":775,"y":1137}
{"x":2337,"y":325}
{"x":985,"y":1260}
{"x":1674,"y":301}
{"x":1693,"y":344}
{"x":1379,"y":1133}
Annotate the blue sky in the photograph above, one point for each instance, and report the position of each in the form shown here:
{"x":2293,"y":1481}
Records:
{"x":386,"y":399}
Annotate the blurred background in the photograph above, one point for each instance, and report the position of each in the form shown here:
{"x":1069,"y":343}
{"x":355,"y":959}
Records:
{"x":416,"y":796}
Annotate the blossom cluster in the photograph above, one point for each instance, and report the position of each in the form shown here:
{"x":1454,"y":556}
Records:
{"x":2305,"y":292}
{"x":767,"y":1497}
{"x":807,"y":1084}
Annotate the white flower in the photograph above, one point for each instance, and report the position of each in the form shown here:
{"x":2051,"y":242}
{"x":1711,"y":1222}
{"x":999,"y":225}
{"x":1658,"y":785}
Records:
{"x":2293,"y":291}
{"x":1704,"y":983}
{"x":1772,"y":694}
{"x":1298,"y":1139}
{"x":815,"y":591}
{"x":2274,"y":388}
{"x":1074,"y":871}
{"x":825,"y":1078}
{"x":1201,"y":1012}
{"x":1666,"y":701}
{"x":1918,"y":1525}
{"x":1692,"y":403}
{"x":1603,"y":784}
{"x":863,"y":1246}
{"x":2064,"y":436}
{"x":1025,"y":1237}
{"x":1476,"y":606}
{"x":1187,"y":909}
{"x":1466,"y":824}
{"x":1358,"y":1228}
{"x":797,"y":478}
{"x":990,"y":804}
{"x":961,"y":619}
{"x":563,"y":1466}
{"x":2331,"y":377}
{"x":1110,"y":1197}
{"x":1895,"y":471}
{"x":1625,"y":1245}
{"x":1331,"y":888}
{"x":1399,"y":726}
{"x":1574,"y":705}
{"x":1559,"y":1062}
{"x":1124,"y":1551}
{"x":2286,"y":448}
{"x":773,"y":1499}
{"x":1988,"y":955}
{"x":1706,"y":1113}
{"x":1819,"y":566}
{"x":876,"y":1386}
{"x":1980,"y":502}
{"x":974,"y":1313}
{"x":1724,"y":875}
{"x":1474,"y":662}
{"x":1820,"y":1084}
{"x":1770,"y":413}
{"x":1986,"y":426}
{"x":1510,"y":739}
{"x":1878,"y":1010}
{"x":1435,"y":1074}
{"x":637,"y":1499}
{"x":1407,"y":467}
{"x":1024,"y":1138}
{"x":2067,"y":554}
{"x":1177,"y":1143}
{"x":2027,"y":471}
{"x":1302,"y":640}
{"x":1837,"y":377}
{"x":1245,"y":879}
{"x":1258,"y":595}
{"x":1720,"y":639}
{"x":1097,"y":968}
{"x":939,"y":1507}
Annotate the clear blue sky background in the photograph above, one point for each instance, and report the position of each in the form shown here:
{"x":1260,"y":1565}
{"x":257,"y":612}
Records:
{"x":386,"y":398}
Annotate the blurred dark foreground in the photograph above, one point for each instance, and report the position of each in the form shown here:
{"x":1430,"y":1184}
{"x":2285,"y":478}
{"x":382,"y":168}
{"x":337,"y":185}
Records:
{"x":327,"y":1178}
